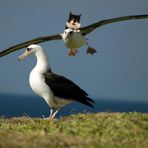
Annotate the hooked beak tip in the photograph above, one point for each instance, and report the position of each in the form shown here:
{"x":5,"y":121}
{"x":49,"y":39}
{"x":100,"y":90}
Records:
{"x":23,"y":56}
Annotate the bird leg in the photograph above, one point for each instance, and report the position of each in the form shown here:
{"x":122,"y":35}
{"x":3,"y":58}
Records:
{"x":53,"y":112}
{"x":90,"y":50}
{"x":53,"y":115}
{"x":72,"y":52}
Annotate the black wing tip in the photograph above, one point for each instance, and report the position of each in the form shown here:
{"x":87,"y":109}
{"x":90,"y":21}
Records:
{"x":90,"y":105}
{"x":89,"y":102}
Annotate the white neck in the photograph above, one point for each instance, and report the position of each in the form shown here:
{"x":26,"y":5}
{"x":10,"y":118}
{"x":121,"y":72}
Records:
{"x":42,"y":61}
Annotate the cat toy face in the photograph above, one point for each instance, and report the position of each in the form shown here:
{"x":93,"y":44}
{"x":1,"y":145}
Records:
{"x":73,"y":21}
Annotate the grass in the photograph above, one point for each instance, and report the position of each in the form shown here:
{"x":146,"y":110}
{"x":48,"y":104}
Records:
{"x":125,"y":130}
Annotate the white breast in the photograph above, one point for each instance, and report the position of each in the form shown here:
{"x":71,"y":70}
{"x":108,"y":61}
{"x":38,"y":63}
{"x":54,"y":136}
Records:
{"x":39,"y":86}
{"x":75,"y":41}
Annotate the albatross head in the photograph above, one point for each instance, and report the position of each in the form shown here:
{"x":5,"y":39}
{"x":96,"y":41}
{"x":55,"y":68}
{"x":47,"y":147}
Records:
{"x":32,"y":49}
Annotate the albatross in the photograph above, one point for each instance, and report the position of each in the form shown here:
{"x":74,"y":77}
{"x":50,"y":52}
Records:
{"x":73,"y":40}
{"x":72,"y":36}
{"x":83,"y":30}
{"x":56,"y":90}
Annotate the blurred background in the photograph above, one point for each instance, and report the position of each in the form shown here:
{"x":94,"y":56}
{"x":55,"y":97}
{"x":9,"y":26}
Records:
{"x":116,"y":77}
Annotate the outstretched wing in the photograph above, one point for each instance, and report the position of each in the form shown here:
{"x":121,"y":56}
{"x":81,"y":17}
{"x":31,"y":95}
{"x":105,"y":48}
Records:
{"x":27,"y":43}
{"x":84,"y":30}
{"x":92,"y":27}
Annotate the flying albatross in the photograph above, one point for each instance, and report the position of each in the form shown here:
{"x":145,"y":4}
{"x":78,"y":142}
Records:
{"x":56,"y":90}
{"x":84,"y":31}
{"x":72,"y":36}
{"x":73,"y":40}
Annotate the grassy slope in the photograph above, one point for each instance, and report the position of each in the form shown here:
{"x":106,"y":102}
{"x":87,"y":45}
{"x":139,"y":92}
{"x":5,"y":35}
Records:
{"x":89,"y":130}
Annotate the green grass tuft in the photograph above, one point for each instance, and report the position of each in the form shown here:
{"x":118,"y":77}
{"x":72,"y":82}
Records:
{"x":109,"y":130}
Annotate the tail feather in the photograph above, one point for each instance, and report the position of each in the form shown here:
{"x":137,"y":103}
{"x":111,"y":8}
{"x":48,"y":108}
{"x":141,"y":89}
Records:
{"x":87,"y":101}
{"x":89,"y":104}
{"x":90,"y":100}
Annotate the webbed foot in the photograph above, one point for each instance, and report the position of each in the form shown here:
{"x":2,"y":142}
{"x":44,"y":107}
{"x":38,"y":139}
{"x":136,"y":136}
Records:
{"x":91,"y":50}
{"x":72,"y":52}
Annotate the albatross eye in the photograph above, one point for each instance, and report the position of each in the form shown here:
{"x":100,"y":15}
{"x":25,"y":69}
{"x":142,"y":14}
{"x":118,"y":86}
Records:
{"x":28,"y":49}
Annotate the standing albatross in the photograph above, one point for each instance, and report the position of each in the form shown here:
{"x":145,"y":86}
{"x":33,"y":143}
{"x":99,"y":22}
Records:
{"x":56,"y":90}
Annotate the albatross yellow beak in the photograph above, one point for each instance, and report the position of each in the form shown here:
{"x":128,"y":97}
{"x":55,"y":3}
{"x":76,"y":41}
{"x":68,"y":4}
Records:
{"x":23,"y":56}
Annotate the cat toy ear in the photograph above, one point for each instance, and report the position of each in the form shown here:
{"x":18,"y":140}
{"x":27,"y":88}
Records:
{"x":70,"y":13}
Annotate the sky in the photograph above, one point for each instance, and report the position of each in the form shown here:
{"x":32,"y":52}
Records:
{"x":118,"y":71}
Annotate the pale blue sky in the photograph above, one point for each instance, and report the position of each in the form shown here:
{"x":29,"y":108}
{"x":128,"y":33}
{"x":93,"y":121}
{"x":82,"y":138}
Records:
{"x":118,"y":71}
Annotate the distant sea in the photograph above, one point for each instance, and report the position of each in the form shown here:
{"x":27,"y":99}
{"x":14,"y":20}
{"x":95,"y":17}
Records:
{"x":16,"y":106}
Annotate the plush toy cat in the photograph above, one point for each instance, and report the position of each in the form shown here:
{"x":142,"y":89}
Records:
{"x":73,"y":21}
